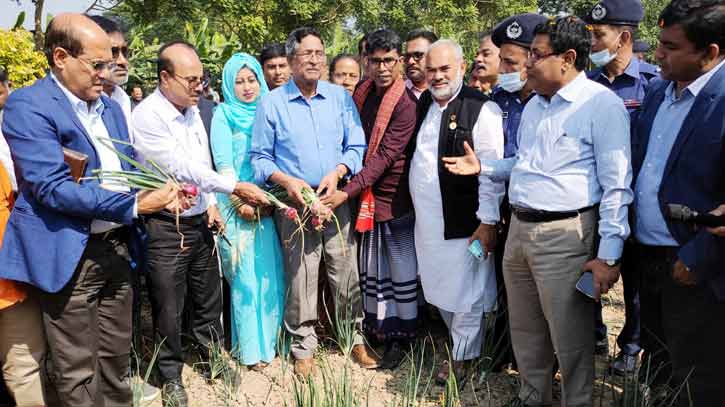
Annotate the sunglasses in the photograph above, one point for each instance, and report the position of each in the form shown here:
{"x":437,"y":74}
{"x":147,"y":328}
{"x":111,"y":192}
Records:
{"x":417,"y":56}
{"x":116,"y":51}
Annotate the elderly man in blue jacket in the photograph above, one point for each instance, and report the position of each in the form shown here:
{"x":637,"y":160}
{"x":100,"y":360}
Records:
{"x":678,"y":151}
{"x":69,"y":239}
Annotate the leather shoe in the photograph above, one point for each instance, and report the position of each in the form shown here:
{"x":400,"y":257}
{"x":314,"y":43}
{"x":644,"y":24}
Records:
{"x":174,"y":394}
{"x":393,"y":356}
{"x":363,"y":357}
{"x":303,"y":367}
{"x":624,"y":364}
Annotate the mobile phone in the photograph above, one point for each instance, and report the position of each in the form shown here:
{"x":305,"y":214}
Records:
{"x":476,"y":250}
{"x":585,"y":285}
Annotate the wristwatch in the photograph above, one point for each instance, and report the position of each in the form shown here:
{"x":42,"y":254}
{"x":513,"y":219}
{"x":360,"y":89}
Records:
{"x":611,"y":263}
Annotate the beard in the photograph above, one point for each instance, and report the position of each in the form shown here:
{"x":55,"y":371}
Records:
{"x":448,"y":91}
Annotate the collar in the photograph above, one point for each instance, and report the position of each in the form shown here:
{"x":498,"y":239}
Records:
{"x":293,"y":92}
{"x":633,"y":68}
{"x":410,"y":85}
{"x":571,"y":90}
{"x":169,"y":112}
{"x":698,"y":84}
{"x":80,"y":106}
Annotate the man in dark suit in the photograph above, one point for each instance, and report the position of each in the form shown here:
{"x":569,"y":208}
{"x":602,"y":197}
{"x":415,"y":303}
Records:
{"x":69,"y":239}
{"x":678,"y":150}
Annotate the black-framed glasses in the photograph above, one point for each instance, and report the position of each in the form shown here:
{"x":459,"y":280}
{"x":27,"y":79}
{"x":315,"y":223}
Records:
{"x":192,"y":82}
{"x":116,"y":51}
{"x":417,"y":56}
{"x":389,"y":62}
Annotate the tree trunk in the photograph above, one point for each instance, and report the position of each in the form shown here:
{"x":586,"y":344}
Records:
{"x":38,"y":35}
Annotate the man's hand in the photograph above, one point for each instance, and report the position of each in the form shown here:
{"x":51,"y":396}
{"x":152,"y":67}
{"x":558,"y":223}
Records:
{"x":214,"y":218}
{"x":486,"y":235}
{"x":169,"y":197}
{"x":604,"y":276}
{"x":247,"y":213}
{"x":468,"y":164}
{"x":719,"y":231}
{"x":328,"y":184}
{"x":294,"y":188}
{"x":336,"y":199}
{"x":682,"y":275}
{"x":250,"y":194}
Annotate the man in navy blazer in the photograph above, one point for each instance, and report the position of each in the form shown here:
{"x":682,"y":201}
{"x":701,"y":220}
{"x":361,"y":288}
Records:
{"x":69,"y":239}
{"x":678,"y":156}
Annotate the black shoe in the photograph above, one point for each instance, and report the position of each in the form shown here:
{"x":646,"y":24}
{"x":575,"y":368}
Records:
{"x":624,"y":364}
{"x":394,"y":354}
{"x":173,"y":394}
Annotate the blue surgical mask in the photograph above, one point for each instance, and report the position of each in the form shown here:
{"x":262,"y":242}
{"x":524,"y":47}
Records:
{"x":511,"y":82}
{"x":602,"y":57}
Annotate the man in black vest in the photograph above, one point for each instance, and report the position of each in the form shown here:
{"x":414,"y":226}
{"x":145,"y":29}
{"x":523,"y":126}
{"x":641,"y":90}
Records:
{"x":452,"y":119}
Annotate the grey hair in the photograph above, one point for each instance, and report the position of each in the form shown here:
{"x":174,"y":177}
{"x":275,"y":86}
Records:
{"x":295,"y":38}
{"x":445,"y":42}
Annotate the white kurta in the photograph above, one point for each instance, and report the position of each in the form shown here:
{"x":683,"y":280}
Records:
{"x":452,"y":278}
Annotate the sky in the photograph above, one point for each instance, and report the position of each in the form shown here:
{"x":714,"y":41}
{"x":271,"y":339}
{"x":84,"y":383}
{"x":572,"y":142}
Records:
{"x":10,"y":10}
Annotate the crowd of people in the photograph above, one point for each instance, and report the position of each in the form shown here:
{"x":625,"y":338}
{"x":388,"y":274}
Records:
{"x":518,"y":187}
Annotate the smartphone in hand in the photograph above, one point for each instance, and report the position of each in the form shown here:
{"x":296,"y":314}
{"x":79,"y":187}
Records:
{"x":585,"y":285}
{"x":476,"y":250}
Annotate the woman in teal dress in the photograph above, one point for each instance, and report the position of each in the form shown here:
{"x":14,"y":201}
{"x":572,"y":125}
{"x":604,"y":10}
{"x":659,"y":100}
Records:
{"x":253,"y":263}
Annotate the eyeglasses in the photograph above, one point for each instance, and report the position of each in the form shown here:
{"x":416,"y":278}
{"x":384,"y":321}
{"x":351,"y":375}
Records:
{"x":116,"y":51}
{"x":417,"y":56}
{"x":534,"y":57}
{"x":97,"y":66}
{"x":389,"y":62}
{"x":192,"y":82}
{"x":307,"y":55}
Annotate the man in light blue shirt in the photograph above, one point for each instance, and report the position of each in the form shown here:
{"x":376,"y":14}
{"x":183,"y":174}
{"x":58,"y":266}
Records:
{"x":307,"y":134}
{"x":570,"y":179}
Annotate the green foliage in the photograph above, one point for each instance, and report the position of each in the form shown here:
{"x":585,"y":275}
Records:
{"x":18,"y":55}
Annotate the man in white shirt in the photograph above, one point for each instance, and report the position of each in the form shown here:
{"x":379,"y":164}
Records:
{"x":180,"y":251}
{"x":453,"y":211}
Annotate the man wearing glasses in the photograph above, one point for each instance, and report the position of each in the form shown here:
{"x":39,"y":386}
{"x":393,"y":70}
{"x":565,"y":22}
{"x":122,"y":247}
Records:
{"x":416,"y":45}
{"x":569,"y":187}
{"x":307,"y":134}
{"x":69,"y":239}
{"x":180,"y":253}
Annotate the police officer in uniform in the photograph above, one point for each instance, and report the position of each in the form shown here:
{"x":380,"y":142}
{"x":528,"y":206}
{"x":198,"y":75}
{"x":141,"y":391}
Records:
{"x":614,"y":28}
{"x":513,"y":37}
{"x":640,"y":48}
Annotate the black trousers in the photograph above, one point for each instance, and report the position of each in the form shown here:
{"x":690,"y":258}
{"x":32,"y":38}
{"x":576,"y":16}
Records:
{"x":683,"y":331}
{"x":504,"y":354}
{"x":88,"y":327}
{"x":172,"y":272}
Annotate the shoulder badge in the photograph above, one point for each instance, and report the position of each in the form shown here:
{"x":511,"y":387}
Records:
{"x":599,"y":12}
{"x":514,"y":30}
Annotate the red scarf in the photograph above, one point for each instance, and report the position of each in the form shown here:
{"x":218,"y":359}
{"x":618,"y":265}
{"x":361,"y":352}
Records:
{"x":366,"y":215}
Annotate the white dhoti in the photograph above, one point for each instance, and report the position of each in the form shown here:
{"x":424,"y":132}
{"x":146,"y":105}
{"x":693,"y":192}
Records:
{"x":460,"y":285}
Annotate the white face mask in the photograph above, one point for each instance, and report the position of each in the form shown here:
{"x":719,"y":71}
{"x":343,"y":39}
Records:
{"x":511,"y":82}
{"x":603,"y":57}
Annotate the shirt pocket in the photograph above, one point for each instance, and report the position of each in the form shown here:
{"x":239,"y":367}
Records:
{"x":566,"y":149}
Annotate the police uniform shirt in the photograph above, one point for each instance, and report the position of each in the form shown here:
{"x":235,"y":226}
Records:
{"x":512,"y":106}
{"x":631,"y":85}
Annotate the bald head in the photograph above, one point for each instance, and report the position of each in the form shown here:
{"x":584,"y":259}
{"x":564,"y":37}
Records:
{"x":180,"y":74}
{"x":73,"y":32}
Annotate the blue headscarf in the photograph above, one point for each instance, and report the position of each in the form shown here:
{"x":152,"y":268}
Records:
{"x":240,"y":115}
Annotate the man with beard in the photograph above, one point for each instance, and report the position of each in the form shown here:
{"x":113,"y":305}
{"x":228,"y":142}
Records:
{"x":486,"y":63}
{"x":113,"y":86}
{"x":453,"y":211}
{"x":416,"y":45}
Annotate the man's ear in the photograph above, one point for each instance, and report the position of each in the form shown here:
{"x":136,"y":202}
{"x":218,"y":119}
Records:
{"x":626,"y":37}
{"x":712,"y":52}
{"x":569,"y":58}
{"x":60,"y":57}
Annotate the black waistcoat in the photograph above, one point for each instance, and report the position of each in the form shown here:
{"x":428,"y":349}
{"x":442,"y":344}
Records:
{"x":459,"y":194}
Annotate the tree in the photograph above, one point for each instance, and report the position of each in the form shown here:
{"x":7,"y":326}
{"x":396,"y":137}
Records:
{"x":38,"y":23}
{"x":18,"y":54}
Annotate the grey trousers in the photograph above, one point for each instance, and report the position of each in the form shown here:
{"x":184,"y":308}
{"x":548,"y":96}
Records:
{"x":541,"y":266}
{"x":303,"y":253}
